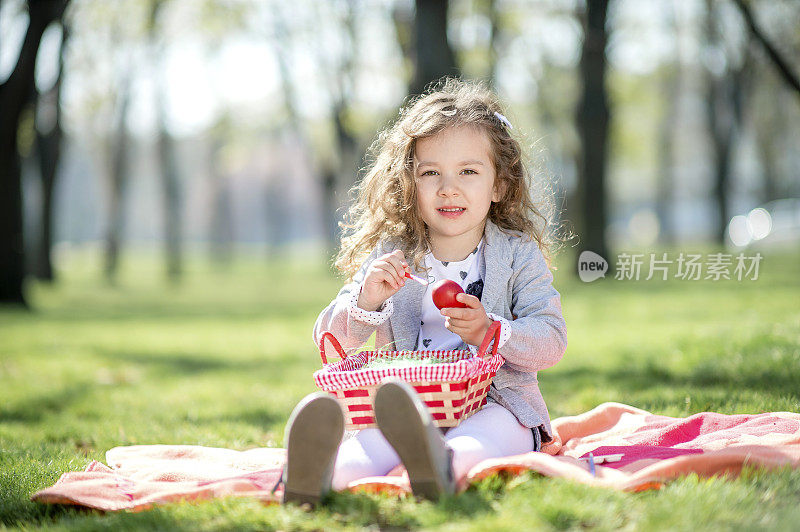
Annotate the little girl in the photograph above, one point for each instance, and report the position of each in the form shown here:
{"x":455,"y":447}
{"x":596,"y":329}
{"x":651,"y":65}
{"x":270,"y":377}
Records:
{"x":446,"y":197}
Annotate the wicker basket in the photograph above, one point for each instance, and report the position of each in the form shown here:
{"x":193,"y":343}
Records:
{"x":453,"y":389}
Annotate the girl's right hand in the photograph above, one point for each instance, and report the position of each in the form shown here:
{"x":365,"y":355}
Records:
{"x":384,"y":278}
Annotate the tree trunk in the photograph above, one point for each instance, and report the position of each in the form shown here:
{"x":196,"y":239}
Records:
{"x":221,"y":223}
{"x":767,"y":117}
{"x":724,"y":94}
{"x":172,"y":205}
{"x":593,"y":119}
{"x":344,"y":175}
{"x":666,"y":159}
{"x":721,"y":136}
{"x":48,"y":150}
{"x":329,"y":210}
{"x":339,"y":172}
{"x":433,"y":56}
{"x":494,"y":41}
{"x":221,"y":226}
{"x":781,"y":65}
{"x":403,"y":21}
{"x":119,"y":176}
{"x":167,"y":158}
{"x":283,"y":42}
{"x":14,"y":94}
{"x":49,"y":136}
{"x":671,"y":92}
{"x":769,"y":127}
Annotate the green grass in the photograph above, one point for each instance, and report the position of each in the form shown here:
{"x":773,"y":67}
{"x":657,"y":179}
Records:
{"x":222,"y":359}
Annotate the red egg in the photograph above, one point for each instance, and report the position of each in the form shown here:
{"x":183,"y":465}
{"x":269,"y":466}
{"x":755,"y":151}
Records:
{"x":445,"y":292}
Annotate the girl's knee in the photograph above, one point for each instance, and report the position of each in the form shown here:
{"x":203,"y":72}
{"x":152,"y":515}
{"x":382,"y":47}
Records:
{"x":497,"y":429}
{"x":469,"y":451}
{"x":347,"y":471}
{"x":366,"y":454}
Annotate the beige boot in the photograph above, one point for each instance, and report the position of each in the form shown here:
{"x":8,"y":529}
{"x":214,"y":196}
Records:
{"x":407,"y":425}
{"x":313,"y":434}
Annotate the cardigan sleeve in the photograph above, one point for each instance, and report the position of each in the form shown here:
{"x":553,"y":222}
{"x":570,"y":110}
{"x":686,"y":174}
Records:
{"x":352,"y":328}
{"x":539,"y":333}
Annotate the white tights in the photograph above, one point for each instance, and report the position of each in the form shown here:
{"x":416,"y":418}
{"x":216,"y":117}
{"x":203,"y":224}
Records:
{"x":491,"y":432}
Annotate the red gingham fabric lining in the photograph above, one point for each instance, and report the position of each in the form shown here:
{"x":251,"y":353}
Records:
{"x":347,"y":374}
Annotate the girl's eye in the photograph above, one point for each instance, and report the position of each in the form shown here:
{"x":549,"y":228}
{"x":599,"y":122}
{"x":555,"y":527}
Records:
{"x":469,"y":171}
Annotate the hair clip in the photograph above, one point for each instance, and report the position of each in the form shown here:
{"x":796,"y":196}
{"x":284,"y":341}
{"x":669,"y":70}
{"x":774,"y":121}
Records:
{"x":503,"y":120}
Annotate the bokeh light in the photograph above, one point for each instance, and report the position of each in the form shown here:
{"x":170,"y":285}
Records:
{"x":760,"y":223}
{"x":739,"y":231}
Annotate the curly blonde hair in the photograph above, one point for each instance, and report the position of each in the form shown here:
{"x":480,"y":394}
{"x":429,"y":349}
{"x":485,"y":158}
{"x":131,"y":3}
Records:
{"x":386,"y":198}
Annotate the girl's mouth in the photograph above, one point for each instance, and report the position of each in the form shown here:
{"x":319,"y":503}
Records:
{"x":451,"y":212}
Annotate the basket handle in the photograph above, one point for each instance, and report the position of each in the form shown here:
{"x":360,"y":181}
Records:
{"x":492,"y":334}
{"x":334,"y":342}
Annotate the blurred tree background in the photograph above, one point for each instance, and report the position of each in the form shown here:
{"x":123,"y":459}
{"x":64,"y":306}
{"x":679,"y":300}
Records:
{"x":230,"y":126}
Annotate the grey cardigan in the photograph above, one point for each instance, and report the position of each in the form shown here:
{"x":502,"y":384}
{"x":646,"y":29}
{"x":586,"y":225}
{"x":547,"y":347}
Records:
{"x":517,"y":286}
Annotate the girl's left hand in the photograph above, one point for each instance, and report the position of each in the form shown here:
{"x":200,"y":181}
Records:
{"x":470,"y":323}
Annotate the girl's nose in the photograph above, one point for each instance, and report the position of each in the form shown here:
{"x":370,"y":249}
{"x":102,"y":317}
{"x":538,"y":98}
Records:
{"x":447,"y":186}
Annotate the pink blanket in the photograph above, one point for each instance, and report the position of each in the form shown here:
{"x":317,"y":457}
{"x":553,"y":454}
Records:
{"x":648,"y":449}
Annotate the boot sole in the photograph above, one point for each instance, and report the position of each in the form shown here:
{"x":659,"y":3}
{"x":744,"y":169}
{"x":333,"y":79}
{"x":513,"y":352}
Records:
{"x":314,"y":432}
{"x":409,"y":429}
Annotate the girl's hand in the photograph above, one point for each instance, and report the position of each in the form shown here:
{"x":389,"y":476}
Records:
{"x":470,"y":323}
{"x":384,"y":278}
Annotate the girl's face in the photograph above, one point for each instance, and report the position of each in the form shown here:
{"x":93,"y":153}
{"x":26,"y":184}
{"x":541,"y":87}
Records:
{"x":455,"y":181}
